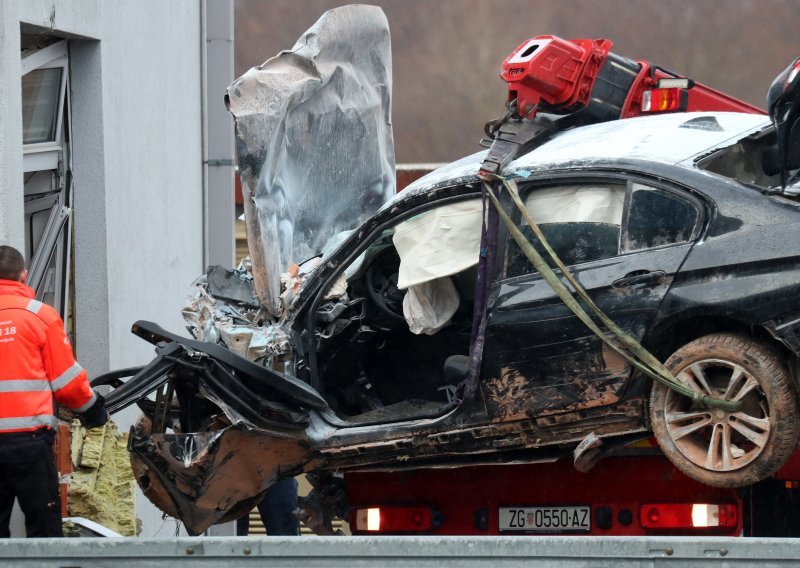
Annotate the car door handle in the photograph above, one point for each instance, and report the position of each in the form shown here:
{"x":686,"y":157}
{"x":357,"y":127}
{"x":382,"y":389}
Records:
{"x":640,"y":277}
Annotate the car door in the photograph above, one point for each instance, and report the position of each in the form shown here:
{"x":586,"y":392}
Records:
{"x":624,"y":241}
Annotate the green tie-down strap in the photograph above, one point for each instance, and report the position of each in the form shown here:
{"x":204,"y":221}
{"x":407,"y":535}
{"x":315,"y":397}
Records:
{"x":622,"y":343}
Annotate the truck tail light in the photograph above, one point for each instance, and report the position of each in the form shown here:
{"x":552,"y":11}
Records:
{"x":688,"y":515}
{"x":395,"y":519}
{"x":664,"y":100}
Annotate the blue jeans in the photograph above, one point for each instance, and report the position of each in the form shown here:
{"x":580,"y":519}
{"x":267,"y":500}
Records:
{"x":276,"y":511}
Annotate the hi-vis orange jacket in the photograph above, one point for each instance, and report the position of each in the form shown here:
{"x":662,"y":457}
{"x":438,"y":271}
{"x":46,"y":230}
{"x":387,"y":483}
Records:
{"x":36,"y":363}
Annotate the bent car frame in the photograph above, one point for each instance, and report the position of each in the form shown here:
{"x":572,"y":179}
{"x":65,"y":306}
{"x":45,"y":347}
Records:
{"x":667,"y":221}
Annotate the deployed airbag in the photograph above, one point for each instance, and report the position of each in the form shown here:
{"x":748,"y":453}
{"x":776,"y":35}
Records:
{"x":439,"y":242}
{"x":577,"y":204}
{"x":428,"y":307}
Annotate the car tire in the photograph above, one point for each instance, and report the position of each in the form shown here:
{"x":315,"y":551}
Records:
{"x":727,"y":449}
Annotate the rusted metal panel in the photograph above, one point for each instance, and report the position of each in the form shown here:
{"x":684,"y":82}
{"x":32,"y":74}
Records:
{"x":61,"y":448}
{"x":588,"y":379}
{"x":213,"y":477}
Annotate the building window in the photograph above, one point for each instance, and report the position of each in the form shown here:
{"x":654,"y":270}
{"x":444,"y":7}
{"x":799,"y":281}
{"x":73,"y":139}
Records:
{"x":41,"y":98}
{"x":46,"y":165}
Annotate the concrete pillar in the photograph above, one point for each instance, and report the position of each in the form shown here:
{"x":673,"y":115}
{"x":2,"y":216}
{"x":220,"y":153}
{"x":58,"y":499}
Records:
{"x":11,"y":181}
{"x":219,"y":159}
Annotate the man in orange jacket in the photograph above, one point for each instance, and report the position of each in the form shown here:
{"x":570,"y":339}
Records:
{"x":36,"y":366}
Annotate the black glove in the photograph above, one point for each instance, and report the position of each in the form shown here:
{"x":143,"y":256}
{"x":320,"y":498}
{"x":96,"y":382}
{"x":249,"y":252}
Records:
{"x":96,"y":415}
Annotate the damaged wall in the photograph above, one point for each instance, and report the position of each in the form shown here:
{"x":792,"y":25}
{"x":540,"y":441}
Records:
{"x":102,"y":488}
{"x":138,"y":73}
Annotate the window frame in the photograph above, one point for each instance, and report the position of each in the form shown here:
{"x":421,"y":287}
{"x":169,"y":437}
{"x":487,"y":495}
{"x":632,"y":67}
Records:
{"x":627,"y":179}
{"x":516,"y":216}
{"x":684,"y":195}
{"x":306,"y":316}
{"x":51,"y":260}
{"x":45,"y":155}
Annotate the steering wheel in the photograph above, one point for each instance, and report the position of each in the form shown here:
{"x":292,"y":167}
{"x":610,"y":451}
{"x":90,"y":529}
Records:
{"x":380,"y":280}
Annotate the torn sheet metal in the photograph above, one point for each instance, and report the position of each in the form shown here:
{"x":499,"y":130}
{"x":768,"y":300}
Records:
{"x":314,"y":141}
{"x":219,"y":308}
{"x":206,"y":478}
{"x":231,"y":285}
{"x":439,"y":242}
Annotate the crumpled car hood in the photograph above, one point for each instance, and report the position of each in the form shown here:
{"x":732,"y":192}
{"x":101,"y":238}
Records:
{"x":314,"y":141}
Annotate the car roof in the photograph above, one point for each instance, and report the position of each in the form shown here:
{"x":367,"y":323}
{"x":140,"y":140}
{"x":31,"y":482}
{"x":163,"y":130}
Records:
{"x":675,"y":139}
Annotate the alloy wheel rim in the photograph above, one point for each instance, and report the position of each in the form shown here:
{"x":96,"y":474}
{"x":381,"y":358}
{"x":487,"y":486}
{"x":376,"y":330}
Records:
{"x":712,"y":438}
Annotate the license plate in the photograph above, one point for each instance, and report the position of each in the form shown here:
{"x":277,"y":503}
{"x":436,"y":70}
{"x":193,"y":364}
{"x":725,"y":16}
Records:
{"x":545,"y":519}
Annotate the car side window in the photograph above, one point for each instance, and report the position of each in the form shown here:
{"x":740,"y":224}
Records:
{"x":582,"y":222}
{"x":658,"y":218}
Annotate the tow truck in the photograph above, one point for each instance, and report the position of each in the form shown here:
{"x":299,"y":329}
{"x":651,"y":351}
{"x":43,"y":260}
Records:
{"x":633,"y":491}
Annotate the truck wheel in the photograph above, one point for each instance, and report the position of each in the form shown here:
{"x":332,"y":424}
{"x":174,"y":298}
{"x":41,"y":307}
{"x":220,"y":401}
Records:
{"x":727,"y":449}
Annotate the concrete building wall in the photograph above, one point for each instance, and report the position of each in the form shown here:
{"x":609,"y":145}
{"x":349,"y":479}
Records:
{"x":137,"y":93}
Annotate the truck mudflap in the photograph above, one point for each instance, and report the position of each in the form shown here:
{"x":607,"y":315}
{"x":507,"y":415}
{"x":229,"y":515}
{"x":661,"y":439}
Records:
{"x":217,"y":430}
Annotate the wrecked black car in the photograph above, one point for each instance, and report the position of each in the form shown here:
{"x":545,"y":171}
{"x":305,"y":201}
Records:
{"x":368,"y":366}
{"x":423,"y":336}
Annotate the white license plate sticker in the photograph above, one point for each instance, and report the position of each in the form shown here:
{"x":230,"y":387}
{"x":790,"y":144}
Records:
{"x":545,"y":519}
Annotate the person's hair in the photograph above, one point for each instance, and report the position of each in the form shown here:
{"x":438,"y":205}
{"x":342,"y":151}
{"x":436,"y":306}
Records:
{"x":12,"y":263}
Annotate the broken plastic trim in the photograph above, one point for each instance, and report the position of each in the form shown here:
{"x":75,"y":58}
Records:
{"x":630,"y":349}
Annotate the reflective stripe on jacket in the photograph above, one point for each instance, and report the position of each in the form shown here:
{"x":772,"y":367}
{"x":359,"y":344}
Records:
{"x":36,"y":363}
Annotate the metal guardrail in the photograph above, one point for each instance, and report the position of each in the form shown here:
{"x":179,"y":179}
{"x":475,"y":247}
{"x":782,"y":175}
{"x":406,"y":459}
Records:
{"x":441,"y":552}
